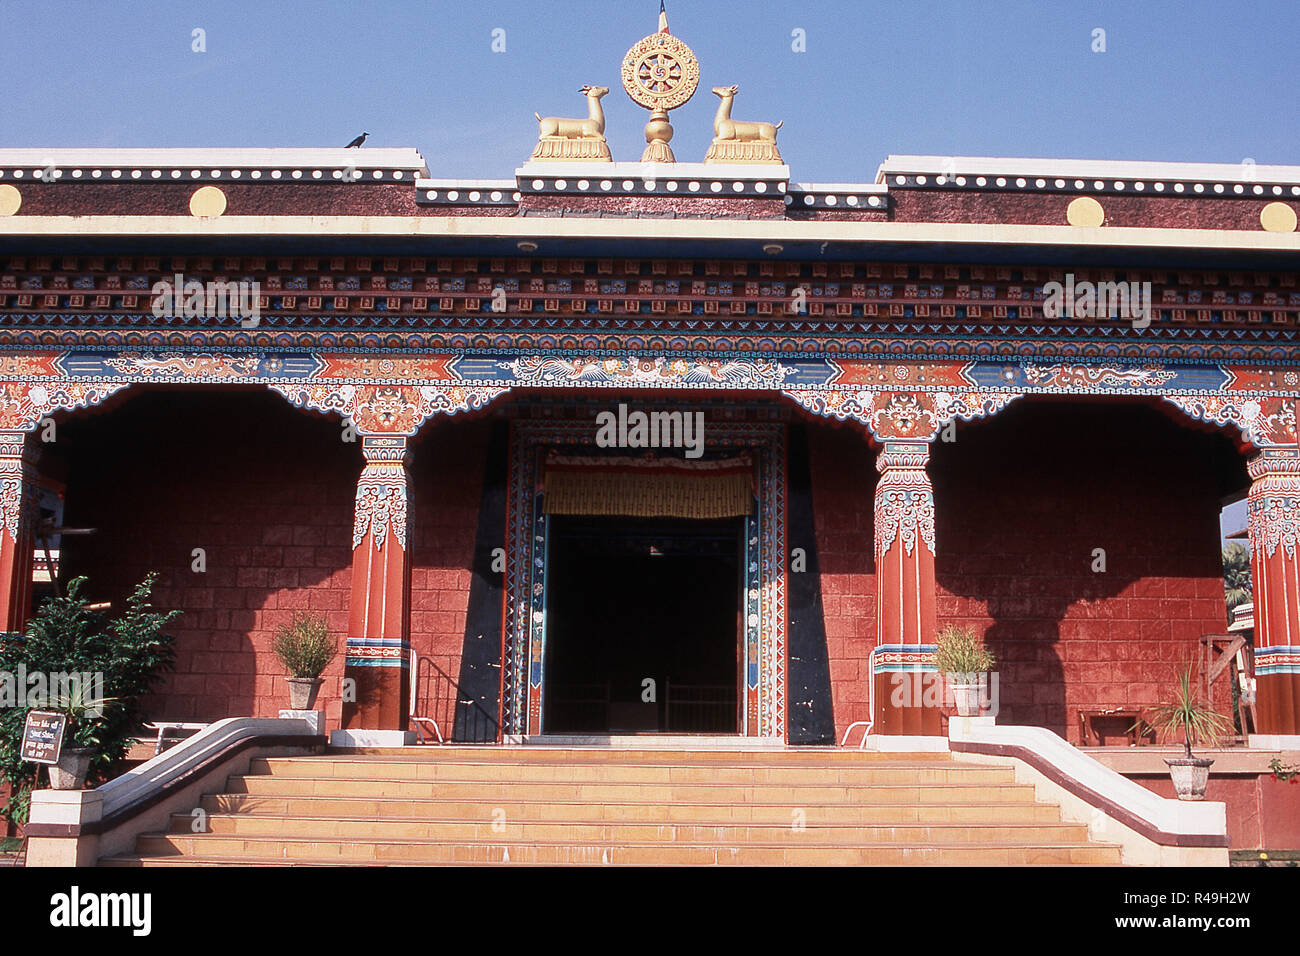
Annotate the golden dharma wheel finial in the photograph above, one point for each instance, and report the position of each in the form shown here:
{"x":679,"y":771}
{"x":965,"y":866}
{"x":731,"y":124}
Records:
{"x":660,"y":73}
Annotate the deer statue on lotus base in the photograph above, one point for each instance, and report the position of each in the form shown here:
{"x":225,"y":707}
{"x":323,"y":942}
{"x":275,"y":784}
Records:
{"x":737,"y":142}
{"x":575,"y":139}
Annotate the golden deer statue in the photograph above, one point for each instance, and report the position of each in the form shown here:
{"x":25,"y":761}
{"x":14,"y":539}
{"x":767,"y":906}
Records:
{"x":573,"y":139}
{"x":737,"y":142}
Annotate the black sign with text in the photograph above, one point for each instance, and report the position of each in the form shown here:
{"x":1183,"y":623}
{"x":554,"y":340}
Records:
{"x":43,"y":736}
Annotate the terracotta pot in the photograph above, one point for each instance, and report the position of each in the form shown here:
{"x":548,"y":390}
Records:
{"x":303,"y":691}
{"x":968,"y":699}
{"x":1190,"y":776}
{"x":70,"y":772}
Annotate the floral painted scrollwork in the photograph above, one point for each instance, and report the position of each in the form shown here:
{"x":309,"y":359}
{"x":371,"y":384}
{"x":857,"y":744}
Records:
{"x":381,"y":510}
{"x":389,"y":409}
{"x":382,"y":499}
{"x":902,"y":416}
{"x":1263,"y":420}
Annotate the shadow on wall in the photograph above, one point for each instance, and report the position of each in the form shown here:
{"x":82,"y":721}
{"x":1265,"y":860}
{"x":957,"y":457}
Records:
{"x":458,"y":477}
{"x":1083,"y":539}
{"x":264,"y":490}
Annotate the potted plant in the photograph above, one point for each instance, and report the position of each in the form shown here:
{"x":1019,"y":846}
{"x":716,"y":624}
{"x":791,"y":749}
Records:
{"x":963,"y":659}
{"x":130,"y":651}
{"x":81,"y":736}
{"x":1186,"y":715}
{"x":305,"y":648}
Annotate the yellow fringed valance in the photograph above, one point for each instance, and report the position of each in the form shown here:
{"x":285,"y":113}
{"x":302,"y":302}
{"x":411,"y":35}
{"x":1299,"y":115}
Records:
{"x":648,"y":487}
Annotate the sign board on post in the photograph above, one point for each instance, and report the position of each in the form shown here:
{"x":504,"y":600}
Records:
{"x":43,"y":736}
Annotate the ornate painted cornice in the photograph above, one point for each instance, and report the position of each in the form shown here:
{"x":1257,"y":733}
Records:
{"x":900,"y":399}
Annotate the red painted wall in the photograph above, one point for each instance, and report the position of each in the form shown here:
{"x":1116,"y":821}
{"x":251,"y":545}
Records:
{"x":1263,"y":812}
{"x":1022,"y":501}
{"x":843,"y":470}
{"x":446,"y":488}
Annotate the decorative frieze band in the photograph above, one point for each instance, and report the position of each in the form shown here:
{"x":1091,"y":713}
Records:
{"x":1270,"y":661}
{"x":377,"y":652}
{"x":903,"y":659}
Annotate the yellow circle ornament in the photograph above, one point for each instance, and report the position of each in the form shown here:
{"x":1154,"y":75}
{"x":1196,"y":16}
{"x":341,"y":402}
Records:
{"x":207,"y":202}
{"x":661,"y":72}
{"x":11,"y":199}
{"x":1278,"y":217}
{"x":1085,"y":211}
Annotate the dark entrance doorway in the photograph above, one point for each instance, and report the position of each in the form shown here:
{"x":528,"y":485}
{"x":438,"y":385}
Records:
{"x":632,"y":600}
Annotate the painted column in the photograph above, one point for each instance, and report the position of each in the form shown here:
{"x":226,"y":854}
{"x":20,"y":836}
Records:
{"x":903,"y":662}
{"x":379,"y":627}
{"x":18,"y":505}
{"x":1274,"y":506}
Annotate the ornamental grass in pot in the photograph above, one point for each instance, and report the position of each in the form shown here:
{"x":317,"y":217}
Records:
{"x":1187,"y":716}
{"x":960,"y":655}
{"x":81,"y":736}
{"x":305,"y":647}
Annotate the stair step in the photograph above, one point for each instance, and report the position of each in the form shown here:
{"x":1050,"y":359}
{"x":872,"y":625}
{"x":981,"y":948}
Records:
{"x":585,"y":831}
{"x":792,"y":794}
{"x":552,"y":806}
{"x":559,"y":771}
{"x":464,"y":851}
{"x":522,"y":811}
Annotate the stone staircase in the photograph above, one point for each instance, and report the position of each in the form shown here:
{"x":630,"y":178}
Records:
{"x":542,"y":805}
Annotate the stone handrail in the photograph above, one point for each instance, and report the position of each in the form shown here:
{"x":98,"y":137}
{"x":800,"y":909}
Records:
{"x":1163,"y":821}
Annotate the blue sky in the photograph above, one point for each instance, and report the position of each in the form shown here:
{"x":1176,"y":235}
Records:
{"x":1179,"y":79}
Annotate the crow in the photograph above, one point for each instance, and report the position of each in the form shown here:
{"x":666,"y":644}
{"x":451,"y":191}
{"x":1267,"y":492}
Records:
{"x":357,"y":142}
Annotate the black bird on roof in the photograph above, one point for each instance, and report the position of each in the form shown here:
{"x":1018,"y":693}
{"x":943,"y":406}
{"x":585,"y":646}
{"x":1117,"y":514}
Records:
{"x":357,"y":142}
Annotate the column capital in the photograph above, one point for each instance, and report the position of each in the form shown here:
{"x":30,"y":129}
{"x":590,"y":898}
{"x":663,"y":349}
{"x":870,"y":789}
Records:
{"x":15,"y":445}
{"x":1274,"y":461}
{"x":903,"y":455}
{"x":386,"y":449}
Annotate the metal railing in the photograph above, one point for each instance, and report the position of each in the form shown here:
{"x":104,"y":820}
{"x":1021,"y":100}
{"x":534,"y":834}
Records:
{"x":437,"y":699}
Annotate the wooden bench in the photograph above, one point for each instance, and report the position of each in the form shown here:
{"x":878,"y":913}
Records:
{"x":1087,"y":732}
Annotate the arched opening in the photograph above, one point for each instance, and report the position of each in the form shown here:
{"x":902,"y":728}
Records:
{"x":1083,"y":538}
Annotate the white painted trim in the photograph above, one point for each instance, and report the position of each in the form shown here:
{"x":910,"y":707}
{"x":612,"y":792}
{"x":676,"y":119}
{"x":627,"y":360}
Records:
{"x":503,"y":185}
{"x":673,"y":742}
{"x":1083,"y":169}
{"x":757,"y":231}
{"x":656,"y":171}
{"x":240,"y":158}
{"x":135,"y":785}
{"x":1185,"y":817}
{"x":887,"y":743}
{"x":1274,"y":741}
{"x":372,"y":738}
